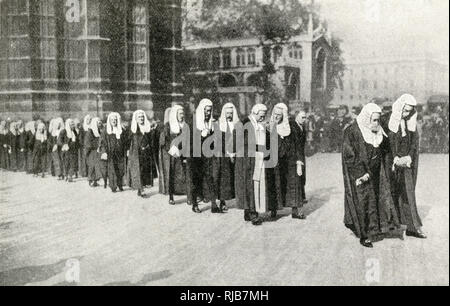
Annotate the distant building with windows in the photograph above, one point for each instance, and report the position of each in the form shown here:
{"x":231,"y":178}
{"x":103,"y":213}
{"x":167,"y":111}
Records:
{"x":387,"y":78}
{"x":119,"y":55}
{"x":233,"y":67}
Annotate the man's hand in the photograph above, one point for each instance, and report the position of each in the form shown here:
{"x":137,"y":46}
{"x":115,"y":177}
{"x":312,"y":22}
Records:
{"x":55,"y":148}
{"x":300,"y":168}
{"x":362,"y":180}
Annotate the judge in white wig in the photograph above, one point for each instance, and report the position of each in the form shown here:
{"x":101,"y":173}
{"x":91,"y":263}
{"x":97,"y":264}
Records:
{"x":250,"y":175}
{"x":30,"y":131}
{"x":4,"y":156}
{"x":56,"y":127}
{"x":39,"y":155}
{"x":84,"y":131}
{"x":68,"y":140}
{"x":174,"y":163}
{"x":404,"y":142}
{"x":141,"y":163}
{"x":113,"y":152}
{"x":91,"y":146}
{"x":204,"y":166}
{"x":228,"y":120}
{"x":369,"y":209}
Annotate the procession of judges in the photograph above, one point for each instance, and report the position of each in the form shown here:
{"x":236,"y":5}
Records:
{"x":258,"y":161}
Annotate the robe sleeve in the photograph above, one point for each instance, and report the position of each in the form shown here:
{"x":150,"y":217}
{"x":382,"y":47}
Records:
{"x":61,"y":139}
{"x":356,"y":167}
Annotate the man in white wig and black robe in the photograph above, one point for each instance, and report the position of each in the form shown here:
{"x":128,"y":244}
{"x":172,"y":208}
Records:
{"x":69,"y":141}
{"x":56,"y":126}
{"x":225,"y":164}
{"x":369,"y":209}
{"x":92,"y":143}
{"x":285,"y":178}
{"x":163,"y":156}
{"x":204,"y":175}
{"x":250,"y":172}
{"x":404,"y":143}
{"x":113,"y":151}
{"x":176,"y":144}
{"x":141,"y":167}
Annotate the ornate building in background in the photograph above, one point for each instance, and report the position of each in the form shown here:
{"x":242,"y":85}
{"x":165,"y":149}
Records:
{"x":72,"y":57}
{"x":233,"y":69}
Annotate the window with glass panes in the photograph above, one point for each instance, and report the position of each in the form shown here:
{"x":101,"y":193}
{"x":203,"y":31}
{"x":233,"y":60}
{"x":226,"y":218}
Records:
{"x":18,"y":39}
{"x":251,"y":55}
{"x":74,"y":56}
{"x":47,"y":23}
{"x":240,"y":57}
{"x":138,"y":45}
{"x":226,"y":58}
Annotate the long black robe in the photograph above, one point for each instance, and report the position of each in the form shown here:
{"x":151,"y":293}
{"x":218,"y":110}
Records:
{"x":286,"y":188}
{"x":57,"y":166}
{"x":141,"y":167}
{"x":300,"y":135}
{"x":91,"y":144}
{"x":403,"y":180}
{"x":116,"y":153}
{"x":369,"y":208}
{"x":225,"y":167}
{"x":244,"y":170}
{"x":21,"y":151}
{"x":4,"y":143}
{"x":178,"y":172}
{"x":83,"y":166}
{"x":29,"y":151}
{"x":40,"y":150}
{"x":69,"y":158}
{"x":204,"y":174}
{"x":163,"y":162}
{"x":13,"y":143}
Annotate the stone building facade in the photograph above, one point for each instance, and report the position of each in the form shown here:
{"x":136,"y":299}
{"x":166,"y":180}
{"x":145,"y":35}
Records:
{"x":74,"y":57}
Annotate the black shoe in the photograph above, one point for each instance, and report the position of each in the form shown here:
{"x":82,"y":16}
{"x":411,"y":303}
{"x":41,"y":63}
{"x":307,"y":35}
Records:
{"x":171,"y":202}
{"x":114,"y":190}
{"x":305,"y":201}
{"x":223,"y":207}
{"x":247,"y":217}
{"x":216,"y":210}
{"x":195,"y":209}
{"x":94,"y":184}
{"x":120,"y":188}
{"x":140,"y":194}
{"x":257,"y":221}
{"x":273,"y":214}
{"x":366,"y":243}
{"x":299,"y":216}
{"x":418,"y":235}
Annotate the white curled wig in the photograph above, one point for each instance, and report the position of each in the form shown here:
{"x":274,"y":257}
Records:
{"x":397,"y":111}
{"x":145,"y":128}
{"x":283,"y":129}
{"x":41,"y":136}
{"x":3,"y":130}
{"x":364,"y":123}
{"x":167,"y":115}
{"x":57,"y":127}
{"x":69,"y":132}
{"x":200,"y":115}
{"x":87,"y":122}
{"x":116,"y":130}
{"x":223,"y":123}
{"x":31,"y":127}
{"x":94,"y":126}
{"x":20,"y":127}
{"x":175,"y":125}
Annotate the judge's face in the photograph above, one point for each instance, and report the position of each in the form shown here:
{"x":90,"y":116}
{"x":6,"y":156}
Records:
{"x":278,"y":115}
{"x":375,"y":122}
{"x":260,"y":116}
{"x":408,"y":110}
{"x":41,"y":129}
{"x":114,"y":121}
{"x":140,"y":119}
{"x":208,"y":112}
{"x":301,"y":118}
{"x":72,"y":125}
{"x":229,"y":114}
{"x":99,"y":124}
{"x":180,"y":115}
{"x":89,"y":120}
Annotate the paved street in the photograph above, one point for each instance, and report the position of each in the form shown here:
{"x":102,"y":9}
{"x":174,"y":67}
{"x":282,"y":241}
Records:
{"x":119,"y":239}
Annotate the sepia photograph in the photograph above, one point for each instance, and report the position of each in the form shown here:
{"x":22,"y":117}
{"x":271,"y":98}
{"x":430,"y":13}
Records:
{"x":212,"y":146}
